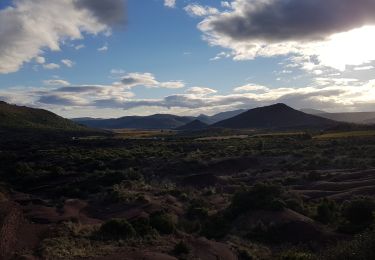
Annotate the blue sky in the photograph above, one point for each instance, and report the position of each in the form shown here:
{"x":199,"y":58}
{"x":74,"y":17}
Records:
{"x":185,"y":58}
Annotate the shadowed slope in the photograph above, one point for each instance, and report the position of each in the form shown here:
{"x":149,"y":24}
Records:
{"x":273,"y":117}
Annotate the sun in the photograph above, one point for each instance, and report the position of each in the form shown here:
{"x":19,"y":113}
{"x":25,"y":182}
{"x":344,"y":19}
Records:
{"x":355,"y":47}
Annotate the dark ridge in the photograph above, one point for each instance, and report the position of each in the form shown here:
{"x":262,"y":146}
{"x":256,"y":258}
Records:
{"x":158,"y":121}
{"x":193,"y":126}
{"x":22,"y":117}
{"x":278,"y":116}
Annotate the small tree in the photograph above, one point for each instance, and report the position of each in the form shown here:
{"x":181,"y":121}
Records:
{"x":117,"y":229}
{"x":359,"y":211}
{"x":326,"y":211}
{"x":163,"y":223}
{"x":181,"y":249}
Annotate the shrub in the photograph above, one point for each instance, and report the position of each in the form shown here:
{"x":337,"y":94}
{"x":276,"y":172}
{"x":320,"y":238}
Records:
{"x":67,"y":248}
{"x":163,"y":223}
{"x":197,"y":212}
{"x":181,"y":249}
{"x":217,"y":227}
{"x":261,"y":196}
{"x":116,"y":229}
{"x":243,"y":254}
{"x":359,"y":210}
{"x":358,"y":214}
{"x":360,"y":248}
{"x":23,"y":170}
{"x":189,"y":226}
{"x":296,"y":204}
{"x":2,"y":197}
{"x":143,"y":228}
{"x":295,"y":255}
{"x":326,"y":211}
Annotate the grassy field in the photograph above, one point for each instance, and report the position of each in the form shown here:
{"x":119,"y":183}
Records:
{"x":139,"y":134}
{"x":346,"y":134}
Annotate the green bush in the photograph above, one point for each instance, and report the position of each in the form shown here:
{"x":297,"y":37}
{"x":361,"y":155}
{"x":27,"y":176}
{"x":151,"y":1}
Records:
{"x":295,"y":255}
{"x":181,"y":249}
{"x":163,"y":223}
{"x":197,"y":212}
{"x":296,"y":204}
{"x":243,"y":254}
{"x":189,"y":226}
{"x":261,"y":196}
{"x":2,"y":197}
{"x":116,"y":229}
{"x":362,"y":247}
{"x":143,"y":227}
{"x":359,"y":211}
{"x":326,"y":211}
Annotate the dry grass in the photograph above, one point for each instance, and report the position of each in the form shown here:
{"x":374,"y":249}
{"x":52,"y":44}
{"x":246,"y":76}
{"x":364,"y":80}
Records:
{"x":280,"y":134}
{"x":346,"y":134}
{"x":136,"y":134}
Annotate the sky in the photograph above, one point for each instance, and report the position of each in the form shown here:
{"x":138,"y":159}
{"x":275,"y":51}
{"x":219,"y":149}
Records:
{"x":94,"y":58}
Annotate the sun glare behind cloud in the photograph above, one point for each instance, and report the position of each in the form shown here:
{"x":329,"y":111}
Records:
{"x":349,"y":48}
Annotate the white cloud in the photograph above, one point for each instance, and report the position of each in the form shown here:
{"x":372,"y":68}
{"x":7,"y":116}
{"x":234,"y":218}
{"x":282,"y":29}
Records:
{"x":335,"y":95}
{"x":80,"y":46}
{"x":62,"y":100}
{"x":117,"y":71}
{"x":148,"y":80}
{"x":170,"y":3}
{"x":56,"y":82}
{"x":220,"y":56}
{"x":269,"y":28}
{"x":201,"y":91}
{"x":199,"y":10}
{"x":29,"y":27}
{"x":67,"y":63}
{"x":226,"y":4}
{"x":171,"y":84}
{"x":251,"y":88}
{"x":40,"y":60}
{"x":51,"y":66}
{"x":103,"y":48}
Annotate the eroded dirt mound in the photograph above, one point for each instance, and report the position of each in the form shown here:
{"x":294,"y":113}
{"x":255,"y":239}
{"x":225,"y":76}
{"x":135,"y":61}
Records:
{"x":285,"y":226}
{"x":18,"y":234}
{"x":10,"y":222}
{"x":210,"y":250}
{"x":341,"y":186}
{"x":137,"y":256}
{"x":201,"y":180}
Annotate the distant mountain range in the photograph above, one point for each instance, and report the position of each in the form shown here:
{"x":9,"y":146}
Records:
{"x":278,"y":116}
{"x":193,"y":126}
{"x":275,"y":117}
{"x":21,"y":117}
{"x":219,"y":117}
{"x":349,"y":117}
{"x":271,"y":117}
{"x":357,"y":118}
{"x":158,"y":121}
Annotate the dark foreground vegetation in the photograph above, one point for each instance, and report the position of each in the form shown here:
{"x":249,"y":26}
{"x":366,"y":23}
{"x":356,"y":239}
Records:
{"x":168,"y":196}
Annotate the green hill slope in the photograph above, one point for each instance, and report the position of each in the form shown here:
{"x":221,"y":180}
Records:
{"x":20,"y":117}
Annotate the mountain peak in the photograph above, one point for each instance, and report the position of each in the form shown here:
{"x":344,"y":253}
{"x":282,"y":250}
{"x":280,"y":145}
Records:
{"x":275,"y":117}
{"x":193,"y":126}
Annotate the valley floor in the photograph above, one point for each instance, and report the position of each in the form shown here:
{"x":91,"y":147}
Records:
{"x":272,"y":196}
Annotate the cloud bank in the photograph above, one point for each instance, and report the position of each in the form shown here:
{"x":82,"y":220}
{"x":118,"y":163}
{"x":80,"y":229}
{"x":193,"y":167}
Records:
{"x":335,"y":33}
{"x":331,"y":94}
